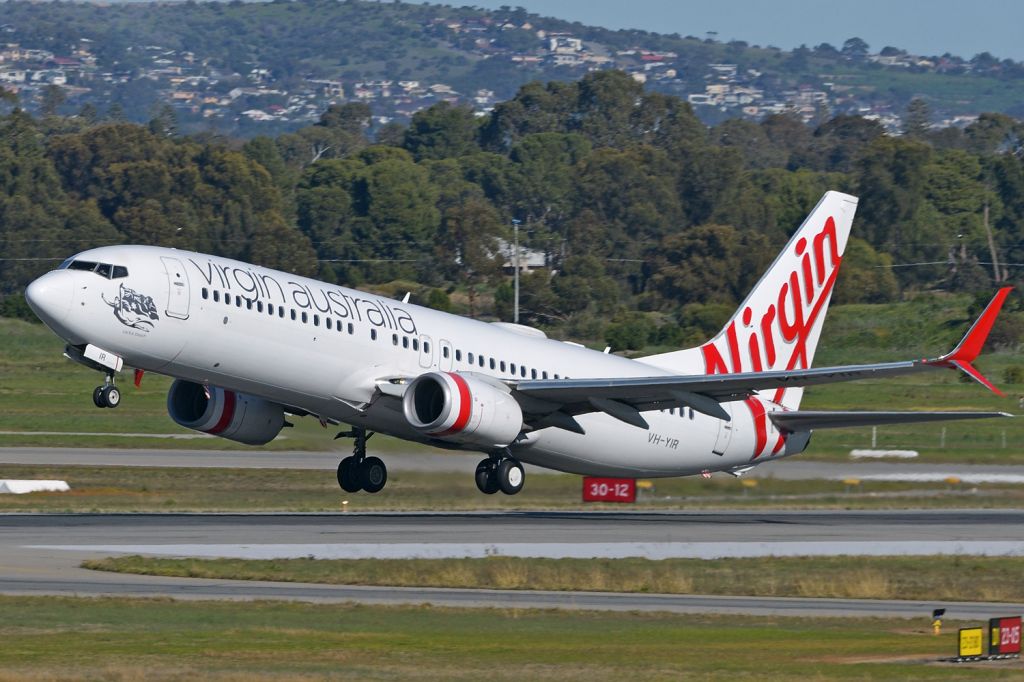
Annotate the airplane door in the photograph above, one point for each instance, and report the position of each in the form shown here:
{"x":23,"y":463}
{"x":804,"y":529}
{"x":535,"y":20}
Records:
{"x":426,"y":351}
{"x":724,"y":432}
{"x":177,"y":280}
{"x":445,"y":358}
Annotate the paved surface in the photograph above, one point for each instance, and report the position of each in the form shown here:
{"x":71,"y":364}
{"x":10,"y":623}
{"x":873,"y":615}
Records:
{"x":36,"y":555}
{"x":791,"y":469}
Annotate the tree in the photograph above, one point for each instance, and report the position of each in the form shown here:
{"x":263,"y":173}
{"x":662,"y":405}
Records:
{"x":164,"y":122}
{"x":53,"y":97}
{"x":443,"y":131}
{"x":866,"y":275}
{"x":838,"y":142}
{"x":708,"y":264}
{"x":351,"y":117}
{"x":855,"y":49}
{"x":918,"y":119}
{"x":468,"y":240}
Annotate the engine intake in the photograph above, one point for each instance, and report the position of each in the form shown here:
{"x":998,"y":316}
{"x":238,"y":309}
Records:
{"x":235,"y":416}
{"x":462,"y":409}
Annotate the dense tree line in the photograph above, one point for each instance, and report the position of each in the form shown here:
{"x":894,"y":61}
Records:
{"x":651,"y":224}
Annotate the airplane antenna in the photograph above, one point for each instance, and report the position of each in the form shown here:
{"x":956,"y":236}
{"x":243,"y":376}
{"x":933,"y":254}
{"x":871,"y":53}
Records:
{"x":405,"y":299}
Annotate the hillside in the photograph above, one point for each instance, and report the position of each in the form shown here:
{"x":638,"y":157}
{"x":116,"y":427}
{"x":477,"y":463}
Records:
{"x":262,"y":68}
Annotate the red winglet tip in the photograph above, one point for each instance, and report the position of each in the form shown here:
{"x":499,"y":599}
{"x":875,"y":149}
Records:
{"x":970,"y":346}
{"x":972,"y":372}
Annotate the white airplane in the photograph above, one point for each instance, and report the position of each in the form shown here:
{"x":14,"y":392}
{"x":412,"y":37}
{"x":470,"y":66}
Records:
{"x":248,"y":345}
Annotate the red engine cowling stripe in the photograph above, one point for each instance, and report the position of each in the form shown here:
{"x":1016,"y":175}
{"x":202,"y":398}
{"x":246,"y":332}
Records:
{"x":227,"y":415}
{"x":465,"y":406}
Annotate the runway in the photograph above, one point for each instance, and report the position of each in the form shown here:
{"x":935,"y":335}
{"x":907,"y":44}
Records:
{"x":39,"y":554}
{"x":455,"y":462}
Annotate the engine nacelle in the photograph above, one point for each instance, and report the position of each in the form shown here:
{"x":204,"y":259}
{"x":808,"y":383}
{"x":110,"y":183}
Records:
{"x":224,"y":413}
{"x":462,"y":409}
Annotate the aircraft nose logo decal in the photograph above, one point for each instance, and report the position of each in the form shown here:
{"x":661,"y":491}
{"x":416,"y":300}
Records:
{"x":133,"y":309}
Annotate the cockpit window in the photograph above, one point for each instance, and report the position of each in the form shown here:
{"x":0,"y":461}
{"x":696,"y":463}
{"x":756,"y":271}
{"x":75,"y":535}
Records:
{"x":81,"y":265}
{"x":104,"y":270}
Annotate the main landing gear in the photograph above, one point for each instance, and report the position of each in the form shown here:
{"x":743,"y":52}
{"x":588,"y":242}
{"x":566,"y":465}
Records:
{"x":500,"y":472}
{"x":106,"y":395}
{"x":359,"y":472}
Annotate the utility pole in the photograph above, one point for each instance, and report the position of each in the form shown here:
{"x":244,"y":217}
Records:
{"x":515,"y":264}
{"x":996,"y":274}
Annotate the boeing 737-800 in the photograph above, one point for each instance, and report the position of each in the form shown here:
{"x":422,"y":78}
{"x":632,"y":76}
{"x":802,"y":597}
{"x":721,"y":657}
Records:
{"x":248,"y":345}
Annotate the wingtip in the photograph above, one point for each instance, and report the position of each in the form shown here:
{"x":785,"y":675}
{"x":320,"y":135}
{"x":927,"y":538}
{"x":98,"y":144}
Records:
{"x":969,"y":348}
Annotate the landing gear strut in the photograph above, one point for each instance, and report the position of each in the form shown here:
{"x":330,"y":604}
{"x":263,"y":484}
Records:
{"x":106,"y":395}
{"x":359,"y":472}
{"x":499,"y":472}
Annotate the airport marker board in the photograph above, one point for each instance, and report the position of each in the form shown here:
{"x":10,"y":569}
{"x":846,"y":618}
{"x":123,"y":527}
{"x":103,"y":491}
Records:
{"x":609,"y":489}
{"x":971,"y":642}
{"x":1005,"y":636}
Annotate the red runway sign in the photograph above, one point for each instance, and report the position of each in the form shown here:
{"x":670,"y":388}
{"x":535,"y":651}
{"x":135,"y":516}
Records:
{"x":1005,"y":636}
{"x":609,"y":489}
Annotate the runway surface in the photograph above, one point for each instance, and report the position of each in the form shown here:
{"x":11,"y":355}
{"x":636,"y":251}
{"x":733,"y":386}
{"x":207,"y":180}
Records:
{"x":39,"y":554}
{"x":790,"y":469}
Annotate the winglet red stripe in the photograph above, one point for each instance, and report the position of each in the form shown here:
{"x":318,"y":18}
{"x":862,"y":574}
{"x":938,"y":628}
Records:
{"x":970,"y":346}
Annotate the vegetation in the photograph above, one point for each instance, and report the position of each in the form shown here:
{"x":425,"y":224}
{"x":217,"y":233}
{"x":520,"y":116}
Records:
{"x":928,"y":578}
{"x":144,"y":489}
{"x":652,"y":225}
{"x":72,"y":639}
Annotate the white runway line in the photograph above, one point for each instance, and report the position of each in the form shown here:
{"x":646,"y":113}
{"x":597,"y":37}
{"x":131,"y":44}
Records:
{"x":534,"y":550}
{"x":938,"y":477}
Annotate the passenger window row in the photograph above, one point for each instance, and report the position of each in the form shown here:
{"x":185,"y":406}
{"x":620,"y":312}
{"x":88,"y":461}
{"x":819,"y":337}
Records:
{"x":411,"y":343}
{"x":280,"y":311}
{"x":474,"y":360}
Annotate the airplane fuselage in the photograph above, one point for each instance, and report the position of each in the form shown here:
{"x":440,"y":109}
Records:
{"x":323,"y":349}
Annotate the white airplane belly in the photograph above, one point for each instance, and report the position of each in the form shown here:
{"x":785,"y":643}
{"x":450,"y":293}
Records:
{"x":673,"y":446}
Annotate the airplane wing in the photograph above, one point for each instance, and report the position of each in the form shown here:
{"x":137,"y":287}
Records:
{"x":556,"y":402}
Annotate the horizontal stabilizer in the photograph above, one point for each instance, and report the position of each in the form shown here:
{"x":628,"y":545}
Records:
{"x":806,"y":420}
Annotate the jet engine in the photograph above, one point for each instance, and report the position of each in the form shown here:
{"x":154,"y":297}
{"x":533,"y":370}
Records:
{"x":224,"y":413}
{"x":461,"y":408}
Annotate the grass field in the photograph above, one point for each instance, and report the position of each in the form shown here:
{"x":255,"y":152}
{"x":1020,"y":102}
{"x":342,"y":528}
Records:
{"x":41,"y":391}
{"x":95,"y":489}
{"x":928,"y":578}
{"x":116,"y":639}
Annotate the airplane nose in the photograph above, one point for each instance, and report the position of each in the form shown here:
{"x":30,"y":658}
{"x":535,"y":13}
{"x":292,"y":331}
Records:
{"x":50,"y":296}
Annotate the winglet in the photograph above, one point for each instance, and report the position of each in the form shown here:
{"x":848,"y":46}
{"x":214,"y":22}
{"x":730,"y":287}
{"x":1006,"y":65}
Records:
{"x":970,"y":346}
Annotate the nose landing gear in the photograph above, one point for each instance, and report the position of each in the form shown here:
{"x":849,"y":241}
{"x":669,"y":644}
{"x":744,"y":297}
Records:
{"x":106,"y":395}
{"x":359,"y":472}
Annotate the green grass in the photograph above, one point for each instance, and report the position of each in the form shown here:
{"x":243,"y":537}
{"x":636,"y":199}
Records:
{"x":123,"y":489}
{"x":916,"y":578}
{"x":76,"y":639}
